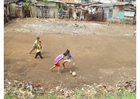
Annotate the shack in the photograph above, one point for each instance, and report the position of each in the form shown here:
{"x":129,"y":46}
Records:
{"x":118,"y":12}
{"x":70,"y":8}
{"x":47,"y":9}
{"x":93,"y":11}
{"x":110,"y":12}
{"x":6,"y":12}
{"x":13,"y":9}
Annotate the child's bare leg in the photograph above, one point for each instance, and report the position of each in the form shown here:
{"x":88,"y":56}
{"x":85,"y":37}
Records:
{"x":63,"y":65}
{"x":32,"y":49}
{"x":52,"y":68}
{"x":69,"y":67}
{"x":58,"y":70}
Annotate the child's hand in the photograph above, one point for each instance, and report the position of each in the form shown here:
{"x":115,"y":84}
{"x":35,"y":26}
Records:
{"x":73,"y":63}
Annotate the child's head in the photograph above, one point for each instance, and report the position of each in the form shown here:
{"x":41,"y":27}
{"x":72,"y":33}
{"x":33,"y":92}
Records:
{"x":65,"y":54}
{"x":38,"y":38}
{"x":39,"y":42}
{"x":67,"y":51}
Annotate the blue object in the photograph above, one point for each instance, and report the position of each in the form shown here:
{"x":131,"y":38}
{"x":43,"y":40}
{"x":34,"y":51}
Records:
{"x":21,"y":3}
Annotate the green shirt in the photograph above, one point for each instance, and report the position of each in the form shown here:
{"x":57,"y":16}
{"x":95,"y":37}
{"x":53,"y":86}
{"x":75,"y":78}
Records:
{"x":35,"y":43}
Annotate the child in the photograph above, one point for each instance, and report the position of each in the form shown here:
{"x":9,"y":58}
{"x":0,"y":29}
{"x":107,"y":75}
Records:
{"x":34,"y":45}
{"x":38,"y":51}
{"x":68,"y":60}
{"x":57,"y":60}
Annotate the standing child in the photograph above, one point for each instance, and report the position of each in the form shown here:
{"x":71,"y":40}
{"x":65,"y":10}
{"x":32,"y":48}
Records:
{"x":57,"y":60}
{"x":34,"y":45}
{"x":38,"y":50}
{"x":68,"y":60}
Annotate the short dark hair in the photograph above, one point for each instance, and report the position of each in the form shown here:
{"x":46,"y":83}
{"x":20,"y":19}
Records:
{"x":68,"y":51}
{"x":65,"y":54}
{"x":38,"y":38}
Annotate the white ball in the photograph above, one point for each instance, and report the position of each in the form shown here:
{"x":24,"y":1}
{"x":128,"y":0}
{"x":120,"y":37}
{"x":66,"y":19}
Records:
{"x":73,"y":73}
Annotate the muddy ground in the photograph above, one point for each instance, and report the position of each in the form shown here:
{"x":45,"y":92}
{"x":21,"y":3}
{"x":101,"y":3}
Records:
{"x":103,"y":52}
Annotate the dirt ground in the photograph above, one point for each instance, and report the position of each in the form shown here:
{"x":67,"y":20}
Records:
{"x":99,"y":58}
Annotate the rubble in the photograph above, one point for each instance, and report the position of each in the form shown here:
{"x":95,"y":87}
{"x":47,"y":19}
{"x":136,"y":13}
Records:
{"x":41,"y":26}
{"x":28,"y":90}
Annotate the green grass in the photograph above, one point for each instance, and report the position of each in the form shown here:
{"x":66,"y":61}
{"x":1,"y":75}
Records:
{"x":11,"y":96}
{"x":47,"y":96}
{"x":124,"y":94}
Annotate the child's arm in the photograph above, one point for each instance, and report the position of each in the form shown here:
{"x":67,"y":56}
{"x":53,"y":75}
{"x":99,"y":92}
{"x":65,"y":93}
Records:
{"x":73,"y":61}
{"x":63,"y":58}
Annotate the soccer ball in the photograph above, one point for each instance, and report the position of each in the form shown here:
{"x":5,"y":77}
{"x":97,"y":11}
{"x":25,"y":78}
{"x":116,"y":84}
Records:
{"x":73,"y":74}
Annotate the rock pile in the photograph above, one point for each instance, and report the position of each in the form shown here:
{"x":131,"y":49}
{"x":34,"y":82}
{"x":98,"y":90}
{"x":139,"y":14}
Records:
{"x":28,"y":90}
{"x":22,"y":90}
{"x":41,"y":26}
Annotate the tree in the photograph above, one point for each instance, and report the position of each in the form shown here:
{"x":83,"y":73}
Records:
{"x":26,"y":6}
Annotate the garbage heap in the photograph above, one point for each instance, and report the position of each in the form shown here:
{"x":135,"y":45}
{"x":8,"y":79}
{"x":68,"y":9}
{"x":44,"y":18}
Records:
{"x":28,"y":90}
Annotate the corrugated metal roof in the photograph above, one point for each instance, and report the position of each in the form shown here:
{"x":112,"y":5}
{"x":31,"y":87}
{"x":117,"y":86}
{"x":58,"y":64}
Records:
{"x":68,"y":1}
{"x":108,"y":1}
{"x":11,"y":0}
{"x":121,"y":3}
{"x":106,"y":4}
{"x":97,"y":5}
{"x":14,"y":1}
{"x":55,"y":1}
{"x":41,"y":3}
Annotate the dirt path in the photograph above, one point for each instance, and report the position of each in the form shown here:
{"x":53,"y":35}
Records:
{"x":99,"y":58}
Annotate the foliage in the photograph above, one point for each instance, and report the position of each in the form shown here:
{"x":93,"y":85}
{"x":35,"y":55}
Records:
{"x":123,"y":94}
{"x":47,"y":96}
{"x":78,"y":95}
{"x":101,"y":94}
{"x":11,"y":96}
{"x":27,"y":4}
{"x":59,"y":10}
{"x":46,"y":2}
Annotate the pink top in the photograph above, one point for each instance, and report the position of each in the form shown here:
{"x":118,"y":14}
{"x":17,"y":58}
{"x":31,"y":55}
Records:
{"x":58,"y":58}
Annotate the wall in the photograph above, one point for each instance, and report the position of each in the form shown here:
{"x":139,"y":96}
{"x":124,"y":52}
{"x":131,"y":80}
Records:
{"x":52,"y":12}
{"x":47,"y":10}
{"x":114,"y":14}
{"x":38,"y":11}
{"x":126,"y":0}
{"x":33,"y":11}
{"x":129,"y":16}
{"x":12,"y":9}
